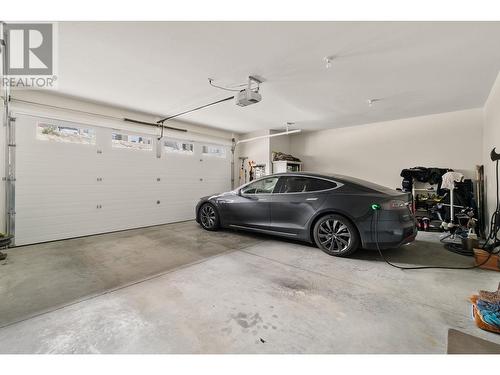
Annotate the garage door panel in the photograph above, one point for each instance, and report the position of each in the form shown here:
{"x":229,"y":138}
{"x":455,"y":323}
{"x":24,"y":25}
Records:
{"x":66,"y":190}
{"x":56,"y":227}
{"x":44,"y":204}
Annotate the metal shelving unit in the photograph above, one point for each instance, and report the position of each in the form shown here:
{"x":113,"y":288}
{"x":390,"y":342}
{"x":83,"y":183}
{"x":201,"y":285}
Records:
{"x":423,"y":208}
{"x":282,"y":166}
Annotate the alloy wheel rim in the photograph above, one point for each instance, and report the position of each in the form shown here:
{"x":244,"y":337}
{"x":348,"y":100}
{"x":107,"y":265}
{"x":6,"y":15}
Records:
{"x":334,"y":235}
{"x":208,"y":216}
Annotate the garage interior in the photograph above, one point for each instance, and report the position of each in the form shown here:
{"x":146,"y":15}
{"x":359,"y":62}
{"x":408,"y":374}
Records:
{"x":102,"y":175}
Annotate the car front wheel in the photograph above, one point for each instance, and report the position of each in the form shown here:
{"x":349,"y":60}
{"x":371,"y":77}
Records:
{"x":208,"y":217}
{"x":336,"y":235}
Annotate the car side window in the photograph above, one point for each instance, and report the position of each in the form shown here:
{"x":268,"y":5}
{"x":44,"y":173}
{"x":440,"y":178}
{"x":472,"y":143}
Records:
{"x":293,"y":184}
{"x":263,"y":186}
{"x":299,"y":184}
{"x":317,"y":184}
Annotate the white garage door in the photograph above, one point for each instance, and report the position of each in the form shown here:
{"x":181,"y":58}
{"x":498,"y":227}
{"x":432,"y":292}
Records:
{"x":75,"y":179}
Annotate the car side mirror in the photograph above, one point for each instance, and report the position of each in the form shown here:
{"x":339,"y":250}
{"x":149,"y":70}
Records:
{"x":247,"y":195}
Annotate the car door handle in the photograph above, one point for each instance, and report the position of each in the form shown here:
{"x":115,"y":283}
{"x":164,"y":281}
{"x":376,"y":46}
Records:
{"x":311,"y":199}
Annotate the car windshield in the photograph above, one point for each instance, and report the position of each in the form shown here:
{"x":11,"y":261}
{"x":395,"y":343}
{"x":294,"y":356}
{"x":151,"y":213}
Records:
{"x":263,"y":186}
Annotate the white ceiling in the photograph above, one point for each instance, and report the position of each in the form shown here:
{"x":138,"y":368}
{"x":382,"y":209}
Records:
{"x":162,"y":68}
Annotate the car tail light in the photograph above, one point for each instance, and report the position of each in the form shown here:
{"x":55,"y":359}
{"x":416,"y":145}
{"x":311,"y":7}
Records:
{"x":395,"y":204}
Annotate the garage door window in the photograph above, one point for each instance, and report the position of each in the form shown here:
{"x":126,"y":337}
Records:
{"x":132,"y":142}
{"x":214,"y":150}
{"x":179,"y":147}
{"x":65,"y":134}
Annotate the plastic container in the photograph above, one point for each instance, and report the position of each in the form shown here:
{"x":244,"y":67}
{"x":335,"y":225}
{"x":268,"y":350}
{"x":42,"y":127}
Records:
{"x":470,"y":243}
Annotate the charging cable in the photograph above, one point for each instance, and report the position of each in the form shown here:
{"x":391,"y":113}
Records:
{"x":376,"y":209}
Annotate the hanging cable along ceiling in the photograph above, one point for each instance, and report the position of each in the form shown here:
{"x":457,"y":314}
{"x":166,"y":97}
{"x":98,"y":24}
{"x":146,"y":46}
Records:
{"x":160,"y":123}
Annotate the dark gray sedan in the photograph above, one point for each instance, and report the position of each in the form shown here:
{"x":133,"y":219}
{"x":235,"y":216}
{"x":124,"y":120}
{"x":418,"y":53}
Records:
{"x":334,"y":212}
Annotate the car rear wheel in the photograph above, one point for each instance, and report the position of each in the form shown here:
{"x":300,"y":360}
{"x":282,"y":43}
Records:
{"x":336,"y":235}
{"x":208,"y":217}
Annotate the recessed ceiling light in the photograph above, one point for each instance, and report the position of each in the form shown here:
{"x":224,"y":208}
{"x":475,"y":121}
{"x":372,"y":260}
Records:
{"x":371,"y":102}
{"x":328,"y":61}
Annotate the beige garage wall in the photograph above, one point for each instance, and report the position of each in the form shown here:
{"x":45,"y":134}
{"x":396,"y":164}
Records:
{"x":257,"y":151}
{"x":378,"y":151}
{"x":491,"y":138}
{"x":260,"y":151}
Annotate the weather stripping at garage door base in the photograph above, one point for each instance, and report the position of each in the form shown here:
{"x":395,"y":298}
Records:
{"x":101,"y":233}
{"x":263,"y":230}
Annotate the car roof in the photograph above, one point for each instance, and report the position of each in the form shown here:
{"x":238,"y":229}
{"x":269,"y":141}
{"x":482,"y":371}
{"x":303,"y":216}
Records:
{"x":328,"y":176}
{"x":339,"y":178}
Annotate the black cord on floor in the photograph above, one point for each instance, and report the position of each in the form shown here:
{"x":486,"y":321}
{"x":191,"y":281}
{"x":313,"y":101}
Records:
{"x":456,"y":247}
{"x":419,"y":267}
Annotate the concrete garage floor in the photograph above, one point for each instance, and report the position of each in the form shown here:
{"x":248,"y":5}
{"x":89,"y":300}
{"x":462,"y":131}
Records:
{"x":179,"y":289}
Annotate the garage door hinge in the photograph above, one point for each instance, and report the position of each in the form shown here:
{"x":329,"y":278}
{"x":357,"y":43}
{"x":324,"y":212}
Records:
{"x":12,"y":212}
{"x":11,"y":145}
{"x":12,"y":119}
{"x":8,"y":179}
